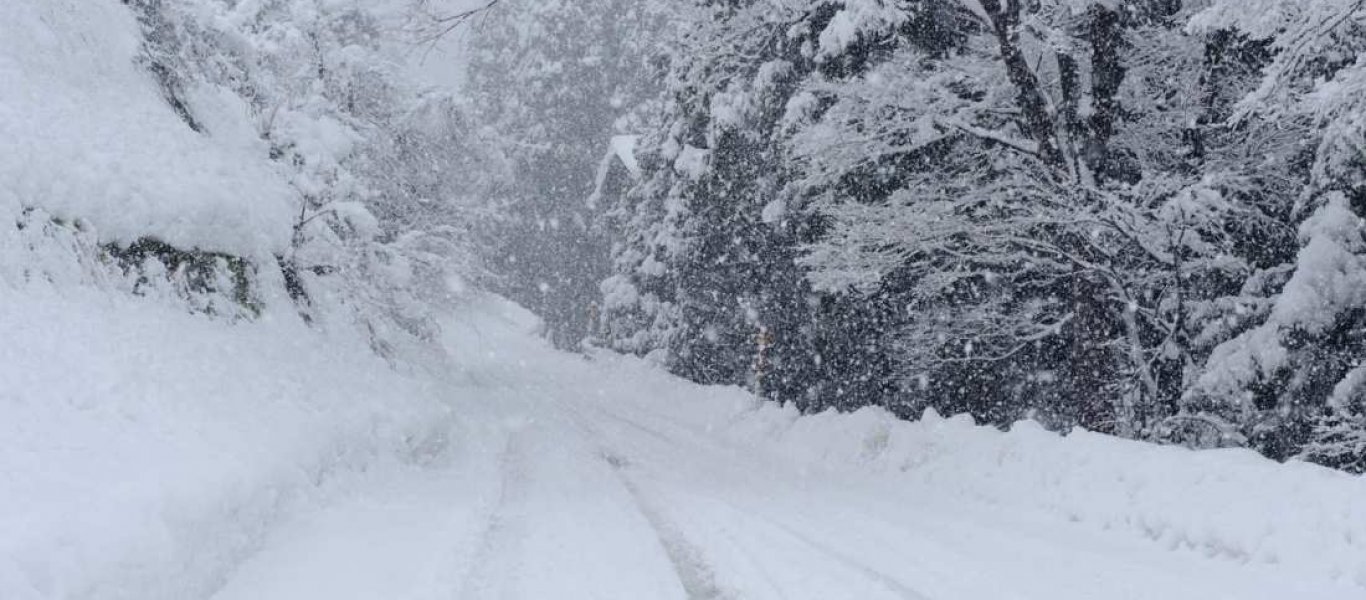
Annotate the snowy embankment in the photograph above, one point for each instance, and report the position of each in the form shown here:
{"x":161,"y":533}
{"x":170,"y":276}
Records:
{"x":89,"y":134}
{"x":1227,"y":504}
{"x":145,"y":451}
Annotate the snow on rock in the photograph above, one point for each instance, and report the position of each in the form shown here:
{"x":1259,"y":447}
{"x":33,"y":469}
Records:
{"x":88,"y":135}
{"x":147,"y":451}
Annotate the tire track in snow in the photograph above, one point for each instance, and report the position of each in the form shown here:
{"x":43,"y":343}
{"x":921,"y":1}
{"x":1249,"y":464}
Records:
{"x":495,"y":563}
{"x":850,"y":562}
{"x":693,"y":570}
{"x":772,"y":533}
{"x":890,"y":583}
{"x":690,"y":565}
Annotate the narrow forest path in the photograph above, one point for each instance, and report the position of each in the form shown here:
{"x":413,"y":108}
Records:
{"x":573,"y":479}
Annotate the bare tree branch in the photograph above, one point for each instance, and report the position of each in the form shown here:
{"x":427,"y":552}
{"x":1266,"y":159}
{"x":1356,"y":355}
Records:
{"x":429,"y":25}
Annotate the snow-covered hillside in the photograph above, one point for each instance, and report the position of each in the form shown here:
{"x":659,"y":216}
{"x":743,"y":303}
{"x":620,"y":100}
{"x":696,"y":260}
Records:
{"x":162,"y":401}
{"x":88,"y":135}
{"x":147,"y":451}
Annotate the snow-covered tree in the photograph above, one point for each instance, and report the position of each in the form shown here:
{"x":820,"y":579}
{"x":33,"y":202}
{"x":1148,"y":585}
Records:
{"x":697,"y":255}
{"x":553,"y":82}
{"x":1283,"y":382}
{"x":1139,"y":217}
{"x":376,"y":163}
{"x":1046,"y":194}
{"x":951,"y":186}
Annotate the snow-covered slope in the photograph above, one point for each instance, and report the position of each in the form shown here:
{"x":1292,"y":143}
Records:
{"x":88,"y":135}
{"x":146,"y":450}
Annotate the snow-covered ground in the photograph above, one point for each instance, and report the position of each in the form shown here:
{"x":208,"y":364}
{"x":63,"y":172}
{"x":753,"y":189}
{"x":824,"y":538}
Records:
{"x":145,"y":452}
{"x":158,"y":456}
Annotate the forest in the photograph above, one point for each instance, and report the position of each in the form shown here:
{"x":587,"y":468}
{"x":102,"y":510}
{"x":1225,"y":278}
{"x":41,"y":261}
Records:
{"x":1138,"y":217}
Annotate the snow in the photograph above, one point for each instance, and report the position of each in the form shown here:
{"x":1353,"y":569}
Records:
{"x":692,"y":162}
{"x":774,"y":211}
{"x":620,"y":149}
{"x":1259,"y":18}
{"x":1078,"y":7}
{"x":1229,"y":504}
{"x":88,"y":135}
{"x":155,"y":455}
{"x":147,"y":450}
{"x":618,"y":292}
{"x":1331,"y":275}
{"x":150,"y":453}
{"x":624,"y":147}
{"x":1330,"y":279}
{"x":857,"y":20}
{"x":607,"y":478}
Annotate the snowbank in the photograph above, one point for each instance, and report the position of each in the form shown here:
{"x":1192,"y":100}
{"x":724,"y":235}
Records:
{"x":87,"y":135}
{"x":146,"y":451}
{"x":1232,"y":504}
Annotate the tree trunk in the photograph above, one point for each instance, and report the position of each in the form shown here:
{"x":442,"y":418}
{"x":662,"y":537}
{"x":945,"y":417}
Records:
{"x":1107,"y":74}
{"x":1039,"y":120}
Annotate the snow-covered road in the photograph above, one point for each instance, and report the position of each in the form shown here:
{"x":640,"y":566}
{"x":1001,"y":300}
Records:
{"x":574,"y":479}
{"x":150,"y":450}
{"x":307,"y":469}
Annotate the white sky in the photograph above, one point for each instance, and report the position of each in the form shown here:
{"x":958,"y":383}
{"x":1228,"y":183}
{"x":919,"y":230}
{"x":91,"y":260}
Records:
{"x":441,"y":65}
